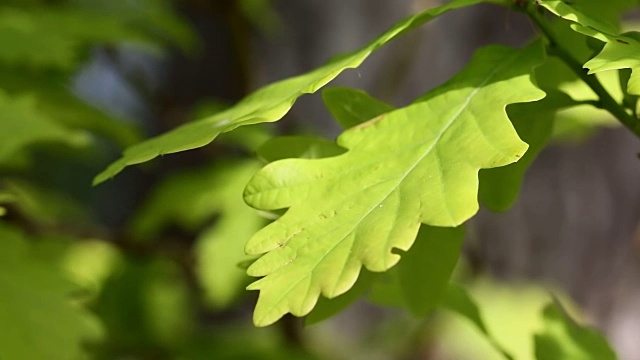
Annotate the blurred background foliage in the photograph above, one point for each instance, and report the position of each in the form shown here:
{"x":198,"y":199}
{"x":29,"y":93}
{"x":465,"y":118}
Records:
{"x":150,"y":265}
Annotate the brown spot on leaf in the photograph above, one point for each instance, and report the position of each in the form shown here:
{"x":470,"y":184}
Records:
{"x":622,"y":41}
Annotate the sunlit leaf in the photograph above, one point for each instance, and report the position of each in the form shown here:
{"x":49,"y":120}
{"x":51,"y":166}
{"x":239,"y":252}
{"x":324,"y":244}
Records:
{"x":621,"y":51}
{"x":267,"y":104}
{"x":37,"y":317}
{"x":416,"y":164}
{"x":572,"y":122}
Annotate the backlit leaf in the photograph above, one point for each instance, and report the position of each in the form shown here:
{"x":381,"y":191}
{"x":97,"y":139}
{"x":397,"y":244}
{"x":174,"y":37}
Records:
{"x":416,"y":164}
{"x":267,"y":104}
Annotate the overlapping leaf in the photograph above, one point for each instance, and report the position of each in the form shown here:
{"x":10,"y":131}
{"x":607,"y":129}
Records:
{"x":268,"y":104}
{"x":500,"y":187}
{"x":619,"y":52}
{"x":37,"y":318}
{"x":416,"y":164}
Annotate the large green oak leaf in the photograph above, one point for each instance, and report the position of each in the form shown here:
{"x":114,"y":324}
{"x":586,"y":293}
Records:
{"x":267,"y":104}
{"x":620,"y":51}
{"x":415,"y":164}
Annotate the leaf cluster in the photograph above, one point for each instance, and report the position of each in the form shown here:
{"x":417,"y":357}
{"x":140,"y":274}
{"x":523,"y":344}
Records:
{"x":378,"y":213}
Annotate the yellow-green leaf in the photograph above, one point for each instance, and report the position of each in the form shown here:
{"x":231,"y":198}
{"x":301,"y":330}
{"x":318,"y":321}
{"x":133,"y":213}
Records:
{"x":418,"y":164}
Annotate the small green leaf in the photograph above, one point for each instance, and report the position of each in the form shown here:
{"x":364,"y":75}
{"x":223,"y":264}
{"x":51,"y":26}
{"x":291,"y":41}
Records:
{"x":416,"y":164}
{"x":267,"y":104}
{"x":425,"y":269}
{"x":619,"y":52}
{"x":298,"y":146}
{"x":460,"y":302}
{"x":39,"y":320}
{"x":563,"y":338}
{"x":351,"y":107}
